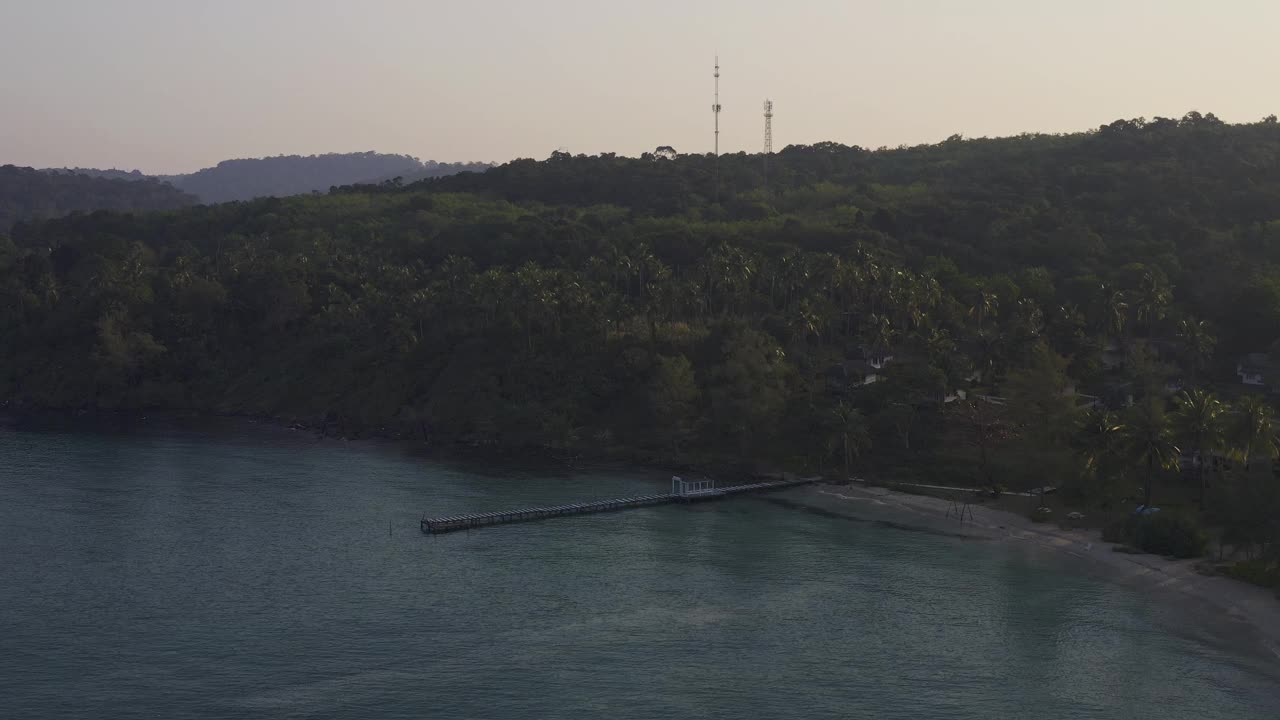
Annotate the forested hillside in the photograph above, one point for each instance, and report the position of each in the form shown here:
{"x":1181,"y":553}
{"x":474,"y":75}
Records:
{"x":282,"y":176}
{"x":296,"y":175}
{"x":27,"y":194}
{"x":431,"y":169}
{"x":112,"y":174}
{"x":1019,"y":311}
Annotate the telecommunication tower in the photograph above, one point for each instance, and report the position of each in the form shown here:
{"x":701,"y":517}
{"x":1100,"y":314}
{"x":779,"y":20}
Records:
{"x":768,"y":127}
{"x":768,"y":139}
{"x":715,"y":108}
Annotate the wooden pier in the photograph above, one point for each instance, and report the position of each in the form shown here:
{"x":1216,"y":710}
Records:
{"x":682,"y":492}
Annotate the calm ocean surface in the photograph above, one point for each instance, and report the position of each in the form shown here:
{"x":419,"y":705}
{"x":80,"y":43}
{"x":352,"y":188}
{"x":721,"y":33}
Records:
{"x":247,"y":572}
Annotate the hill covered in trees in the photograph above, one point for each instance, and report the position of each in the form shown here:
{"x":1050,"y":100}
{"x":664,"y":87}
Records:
{"x":286,"y":175}
{"x":27,"y":194}
{"x":1000,"y":312}
{"x":112,"y":174}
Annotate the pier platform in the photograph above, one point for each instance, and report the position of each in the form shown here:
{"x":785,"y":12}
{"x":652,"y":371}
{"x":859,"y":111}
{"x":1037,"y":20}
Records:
{"x":682,"y":492}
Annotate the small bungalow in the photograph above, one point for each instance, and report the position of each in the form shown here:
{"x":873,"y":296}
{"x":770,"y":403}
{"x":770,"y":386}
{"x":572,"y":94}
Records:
{"x":876,"y":359}
{"x":854,"y":373}
{"x":850,"y":374}
{"x":865,"y":372}
{"x":873,"y":361}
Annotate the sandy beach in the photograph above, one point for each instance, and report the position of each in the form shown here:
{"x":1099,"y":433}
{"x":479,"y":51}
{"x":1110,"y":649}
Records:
{"x":1235,"y":600}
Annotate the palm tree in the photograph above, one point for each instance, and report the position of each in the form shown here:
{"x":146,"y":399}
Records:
{"x":647,"y":268}
{"x":1198,"y":419}
{"x":985,"y":429}
{"x":1152,"y":299}
{"x":1197,"y":344}
{"x":1148,"y":442}
{"x":619,"y":265}
{"x":851,"y":433}
{"x":804,"y":323}
{"x":794,"y":273}
{"x":1113,"y":310}
{"x":880,"y":332}
{"x":908,"y":306}
{"x":989,"y":355}
{"x":944,"y":354}
{"x":1254,"y":430}
{"x":985,"y":305}
{"x":1101,"y":443}
{"x":1101,"y":434}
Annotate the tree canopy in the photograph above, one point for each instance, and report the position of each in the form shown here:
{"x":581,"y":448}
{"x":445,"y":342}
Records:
{"x":612,"y":301}
{"x":30,"y":195}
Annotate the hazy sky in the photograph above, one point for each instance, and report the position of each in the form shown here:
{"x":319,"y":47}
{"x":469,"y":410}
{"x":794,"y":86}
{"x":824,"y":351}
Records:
{"x":176,"y":85}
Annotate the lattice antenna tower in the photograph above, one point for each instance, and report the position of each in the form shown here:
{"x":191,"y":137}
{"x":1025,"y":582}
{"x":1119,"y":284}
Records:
{"x":768,"y":127}
{"x":715,"y":111}
{"x":715,"y":108}
{"x":768,"y":139}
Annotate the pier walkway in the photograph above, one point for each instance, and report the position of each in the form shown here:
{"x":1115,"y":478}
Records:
{"x":682,"y":491}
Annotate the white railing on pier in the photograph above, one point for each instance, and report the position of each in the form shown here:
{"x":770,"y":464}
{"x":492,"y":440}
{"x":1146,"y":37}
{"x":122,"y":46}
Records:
{"x":683,"y":488}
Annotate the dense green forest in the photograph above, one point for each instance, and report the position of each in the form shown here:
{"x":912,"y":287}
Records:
{"x":1064,"y":310}
{"x":27,"y":194}
{"x":112,"y":174}
{"x":297,"y":175}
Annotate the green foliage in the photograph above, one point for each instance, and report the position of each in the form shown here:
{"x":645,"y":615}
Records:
{"x":1160,"y":534}
{"x":923,"y":311}
{"x":848,"y":435}
{"x":29,"y":195}
{"x":1249,"y":507}
{"x":1261,"y":572}
{"x":1253,"y":431}
{"x":748,"y":386}
{"x":674,"y":395}
{"x":1169,"y":534}
{"x":1042,"y":399}
{"x":1199,"y":421}
{"x":1147,"y":441}
{"x":1100,"y":446}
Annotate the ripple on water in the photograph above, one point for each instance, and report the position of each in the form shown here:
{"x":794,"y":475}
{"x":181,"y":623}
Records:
{"x":249,"y":574}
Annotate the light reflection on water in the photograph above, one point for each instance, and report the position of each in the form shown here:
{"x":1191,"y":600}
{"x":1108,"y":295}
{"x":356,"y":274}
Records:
{"x":248,"y":572}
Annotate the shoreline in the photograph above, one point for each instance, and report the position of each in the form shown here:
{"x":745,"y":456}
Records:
{"x":1235,"y":600}
{"x":722,"y":468}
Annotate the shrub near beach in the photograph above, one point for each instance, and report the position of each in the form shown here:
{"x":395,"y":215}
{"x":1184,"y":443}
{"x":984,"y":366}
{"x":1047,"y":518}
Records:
{"x":1260,"y":572}
{"x":1160,"y":534}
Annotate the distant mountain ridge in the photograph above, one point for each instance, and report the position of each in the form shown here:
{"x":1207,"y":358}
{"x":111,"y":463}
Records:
{"x":29,"y":194}
{"x":112,"y":174}
{"x":284,"y":175}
